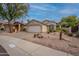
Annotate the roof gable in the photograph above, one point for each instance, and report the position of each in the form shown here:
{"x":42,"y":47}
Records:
{"x":49,"y":22}
{"x":34,"y":22}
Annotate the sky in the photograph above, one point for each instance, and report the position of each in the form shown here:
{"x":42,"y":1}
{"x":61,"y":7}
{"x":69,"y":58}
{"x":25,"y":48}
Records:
{"x":52,"y":11}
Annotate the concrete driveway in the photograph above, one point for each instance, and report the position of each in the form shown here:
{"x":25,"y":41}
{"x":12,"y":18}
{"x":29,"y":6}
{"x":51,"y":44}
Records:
{"x":19,"y":47}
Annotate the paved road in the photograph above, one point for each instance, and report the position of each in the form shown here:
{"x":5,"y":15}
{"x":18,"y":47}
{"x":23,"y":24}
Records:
{"x":19,"y":47}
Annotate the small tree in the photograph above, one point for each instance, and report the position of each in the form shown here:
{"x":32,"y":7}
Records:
{"x":69,"y":21}
{"x":12,"y":11}
{"x":61,"y":32}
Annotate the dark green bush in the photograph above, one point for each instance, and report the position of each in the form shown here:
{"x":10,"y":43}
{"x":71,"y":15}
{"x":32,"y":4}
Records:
{"x":64,"y":30}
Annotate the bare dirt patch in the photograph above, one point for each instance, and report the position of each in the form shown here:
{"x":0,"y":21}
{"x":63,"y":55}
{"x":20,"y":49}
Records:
{"x":68,"y":44}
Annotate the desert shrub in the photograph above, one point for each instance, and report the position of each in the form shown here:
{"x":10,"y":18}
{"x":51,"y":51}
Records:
{"x":70,"y":34}
{"x":24,"y":29}
{"x":2,"y":29}
{"x":77,"y":34}
{"x":48,"y":32}
{"x":65,"y":31}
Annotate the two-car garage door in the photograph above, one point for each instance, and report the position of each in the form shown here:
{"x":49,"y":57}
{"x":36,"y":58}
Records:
{"x":34,"y":29}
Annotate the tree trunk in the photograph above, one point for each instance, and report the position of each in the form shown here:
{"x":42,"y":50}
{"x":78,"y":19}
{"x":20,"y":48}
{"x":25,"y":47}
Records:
{"x":60,"y":36}
{"x":10,"y":27}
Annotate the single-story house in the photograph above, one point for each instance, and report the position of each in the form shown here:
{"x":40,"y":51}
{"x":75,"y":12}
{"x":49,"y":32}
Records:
{"x":36,"y":26}
{"x":31,"y":26}
{"x":51,"y":25}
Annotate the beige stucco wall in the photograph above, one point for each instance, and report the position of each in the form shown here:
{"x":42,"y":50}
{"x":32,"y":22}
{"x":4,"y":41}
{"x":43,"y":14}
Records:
{"x":44,"y":28}
{"x":35,"y":23}
{"x":54,"y":26}
{"x":2,"y":26}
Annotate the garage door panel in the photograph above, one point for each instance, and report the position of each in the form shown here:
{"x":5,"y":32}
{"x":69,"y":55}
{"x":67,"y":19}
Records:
{"x":34,"y":29}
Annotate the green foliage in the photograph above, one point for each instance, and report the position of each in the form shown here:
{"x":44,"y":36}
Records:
{"x":69,"y":21}
{"x":57,"y":29}
{"x":10,"y":11}
{"x":65,"y":31}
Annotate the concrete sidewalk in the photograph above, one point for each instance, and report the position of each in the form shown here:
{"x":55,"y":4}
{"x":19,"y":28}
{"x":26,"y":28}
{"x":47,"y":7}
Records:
{"x":19,"y":47}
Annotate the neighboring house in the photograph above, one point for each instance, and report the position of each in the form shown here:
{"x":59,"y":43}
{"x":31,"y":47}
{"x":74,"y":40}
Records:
{"x":18,"y":26}
{"x":15,"y":26}
{"x":2,"y":27}
{"x":36,"y":26}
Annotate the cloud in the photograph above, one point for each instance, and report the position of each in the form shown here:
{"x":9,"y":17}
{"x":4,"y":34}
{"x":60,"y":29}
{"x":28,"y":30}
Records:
{"x":38,"y":7}
{"x":43,"y":7}
{"x":69,"y":11}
